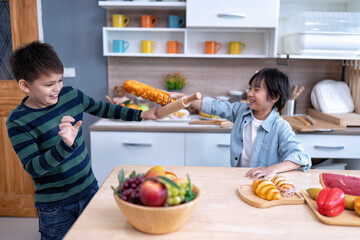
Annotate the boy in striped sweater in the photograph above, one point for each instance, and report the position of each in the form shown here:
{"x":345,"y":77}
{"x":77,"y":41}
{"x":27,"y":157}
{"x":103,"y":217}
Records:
{"x":48,"y":144}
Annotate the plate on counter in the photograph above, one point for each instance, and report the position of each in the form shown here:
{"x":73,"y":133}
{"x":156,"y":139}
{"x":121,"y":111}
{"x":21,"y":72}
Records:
{"x":173,"y":120}
{"x":247,"y":195}
{"x":347,"y":217}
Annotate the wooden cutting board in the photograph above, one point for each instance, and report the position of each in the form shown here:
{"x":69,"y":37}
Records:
{"x":247,"y":195}
{"x":221,"y":123}
{"x":345,"y":119}
{"x":347,"y":217}
{"x":321,"y":125}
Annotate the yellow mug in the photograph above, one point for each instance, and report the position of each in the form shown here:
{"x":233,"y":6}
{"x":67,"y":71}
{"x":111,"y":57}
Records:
{"x":120,"y":20}
{"x":148,"y":46}
{"x":236,"y":47}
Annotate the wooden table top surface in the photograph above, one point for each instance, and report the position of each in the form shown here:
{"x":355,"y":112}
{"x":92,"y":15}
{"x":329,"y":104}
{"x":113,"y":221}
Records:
{"x":220,"y":213}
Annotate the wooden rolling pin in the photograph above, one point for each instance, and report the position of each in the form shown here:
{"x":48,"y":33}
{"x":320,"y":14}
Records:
{"x":308,"y":121}
{"x":177,"y":105}
{"x":311,"y":120}
{"x":302,"y":120}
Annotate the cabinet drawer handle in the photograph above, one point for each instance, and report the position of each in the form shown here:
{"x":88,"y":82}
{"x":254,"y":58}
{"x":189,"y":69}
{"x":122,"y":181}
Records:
{"x":329,"y":147}
{"x":137,"y":144}
{"x":231,"y":15}
{"x":223,"y":145}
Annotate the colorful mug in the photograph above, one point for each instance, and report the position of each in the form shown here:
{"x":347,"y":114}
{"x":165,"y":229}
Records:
{"x":120,"y":20}
{"x":148,"y":21}
{"x":148,"y":46}
{"x":175,"y":21}
{"x":236,"y":47}
{"x":212,"y":47}
{"x":120,"y":46}
{"x":174,"y":46}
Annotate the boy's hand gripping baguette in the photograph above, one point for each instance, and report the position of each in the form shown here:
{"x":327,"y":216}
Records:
{"x":179,"y":104}
{"x":147,"y":92}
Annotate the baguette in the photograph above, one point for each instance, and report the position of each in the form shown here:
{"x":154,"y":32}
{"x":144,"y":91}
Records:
{"x":266,"y":190}
{"x":147,"y":92}
{"x":286,"y":188}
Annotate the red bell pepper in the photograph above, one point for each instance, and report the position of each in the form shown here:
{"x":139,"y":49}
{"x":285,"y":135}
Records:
{"x":331,"y":201}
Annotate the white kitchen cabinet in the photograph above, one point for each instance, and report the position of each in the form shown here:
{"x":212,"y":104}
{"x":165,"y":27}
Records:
{"x":289,"y":8}
{"x":111,"y":149}
{"x":207,"y":149}
{"x":331,"y":146}
{"x":232,"y":13}
{"x":204,"y":22}
{"x":260,"y":24}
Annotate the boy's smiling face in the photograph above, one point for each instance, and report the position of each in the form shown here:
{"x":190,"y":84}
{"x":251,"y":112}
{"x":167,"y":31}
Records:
{"x":44,"y":91}
{"x":258,"y":99}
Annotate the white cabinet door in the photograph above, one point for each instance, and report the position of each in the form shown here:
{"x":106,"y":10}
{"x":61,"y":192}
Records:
{"x":111,"y":149}
{"x":331,"y":146}
{"x":207,"y":149}
{"x":232,"y":13}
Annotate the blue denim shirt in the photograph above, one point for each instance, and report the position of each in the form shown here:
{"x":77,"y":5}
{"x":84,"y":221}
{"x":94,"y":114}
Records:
{"x":275,"y":141}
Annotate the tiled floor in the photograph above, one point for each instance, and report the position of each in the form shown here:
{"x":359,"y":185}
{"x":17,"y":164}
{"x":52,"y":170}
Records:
{"x":12,"y":228}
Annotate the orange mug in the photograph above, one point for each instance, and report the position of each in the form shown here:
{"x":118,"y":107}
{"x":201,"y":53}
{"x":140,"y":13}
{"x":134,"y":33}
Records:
{"x":174,"y":46}
{"x":212,"y":47}
{"x":148,"y":21}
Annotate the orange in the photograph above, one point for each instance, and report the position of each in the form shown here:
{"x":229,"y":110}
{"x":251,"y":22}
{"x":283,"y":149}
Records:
{"x":155,"y":171}
{"x":357,"y":205}
{"x":132,"y":106}
{"x":171,"y":175}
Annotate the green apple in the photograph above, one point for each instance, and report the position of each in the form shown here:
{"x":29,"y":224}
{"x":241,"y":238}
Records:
{"x":144,"y":107}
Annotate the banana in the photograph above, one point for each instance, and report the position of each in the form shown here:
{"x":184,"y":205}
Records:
{"x":349,"y":199}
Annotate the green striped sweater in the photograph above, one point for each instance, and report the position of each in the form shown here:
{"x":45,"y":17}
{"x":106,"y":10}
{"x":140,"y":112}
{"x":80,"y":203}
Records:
{"x":61,"y":174}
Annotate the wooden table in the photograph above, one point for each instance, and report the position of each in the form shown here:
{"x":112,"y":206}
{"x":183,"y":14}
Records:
{"x":220,"y":213}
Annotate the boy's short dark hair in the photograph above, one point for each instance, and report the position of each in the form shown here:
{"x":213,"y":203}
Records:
{"x":34,"y":60}
{"x":277,"y":84}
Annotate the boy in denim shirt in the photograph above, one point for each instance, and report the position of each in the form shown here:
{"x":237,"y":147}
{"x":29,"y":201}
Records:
{"x":260,"y":138}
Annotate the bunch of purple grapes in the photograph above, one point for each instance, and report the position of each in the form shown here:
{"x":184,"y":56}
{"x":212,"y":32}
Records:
{"x":130,"y":190}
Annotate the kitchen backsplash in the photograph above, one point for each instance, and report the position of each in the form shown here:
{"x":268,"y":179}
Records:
{"x":216,"y":77}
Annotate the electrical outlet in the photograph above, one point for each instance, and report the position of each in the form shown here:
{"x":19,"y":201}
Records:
{"x":69,"y":73}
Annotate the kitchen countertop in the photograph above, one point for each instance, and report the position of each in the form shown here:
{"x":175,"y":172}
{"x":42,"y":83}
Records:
{"x":156,"y":126}
{"x":184,"y":126}
{"x":220,"y":213}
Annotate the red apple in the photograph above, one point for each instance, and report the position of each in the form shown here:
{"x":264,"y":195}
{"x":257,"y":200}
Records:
{"x":153,"y":193}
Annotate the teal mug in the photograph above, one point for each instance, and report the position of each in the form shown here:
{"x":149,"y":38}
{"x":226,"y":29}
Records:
{"x":176,"y":21}
{"x":120,"y":46}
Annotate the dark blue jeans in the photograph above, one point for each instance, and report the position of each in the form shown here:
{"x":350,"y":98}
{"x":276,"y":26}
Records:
{"x":55,"y":222}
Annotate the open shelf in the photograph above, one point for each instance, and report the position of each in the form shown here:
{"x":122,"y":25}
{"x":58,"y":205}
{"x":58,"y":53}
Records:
{"x":116,"y":5}
{"x":193,"y":39}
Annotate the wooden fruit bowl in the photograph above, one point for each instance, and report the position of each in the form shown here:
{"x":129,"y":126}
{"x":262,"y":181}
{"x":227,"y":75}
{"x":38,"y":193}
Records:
{"x":157,"y":220}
